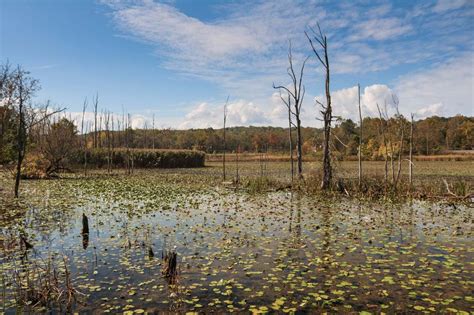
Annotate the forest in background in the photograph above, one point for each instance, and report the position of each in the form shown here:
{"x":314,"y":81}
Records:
{"x":61,"y":138}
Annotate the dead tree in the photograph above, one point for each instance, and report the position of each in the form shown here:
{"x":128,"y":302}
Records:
{"x":21,"y":89}
{"x":112,"y":142}
{"x":96,"y":103}
{"x":145,"y":136}
{"x":401,"y":134}
{"x":225,"y":120}
{"x":109,"y":145}
{"x":287,"y":102}
{"x":153,"y":132}
{"x":382,"y":130}
{"x":24,"y":87}
{"x":323,"y":57}
{"x":99,"y":136}
{"x":295,"y":97}
{"x":237,"y":176}
{"x":410,"y":161}
{"x":360,"y":138}
{"x":84,"y":135}
{"x":129,"y":152}
{"x":169,"y":267}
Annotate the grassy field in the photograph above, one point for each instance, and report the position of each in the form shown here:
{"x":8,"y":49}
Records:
{"x":460,"y":155}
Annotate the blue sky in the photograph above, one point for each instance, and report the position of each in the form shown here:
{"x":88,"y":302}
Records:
{"x":180,"y":59}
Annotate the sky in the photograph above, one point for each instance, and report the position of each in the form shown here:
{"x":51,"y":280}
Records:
{"x":178,"y":60}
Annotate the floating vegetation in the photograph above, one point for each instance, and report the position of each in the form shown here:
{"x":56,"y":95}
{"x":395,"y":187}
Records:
{"x":275,"y":251}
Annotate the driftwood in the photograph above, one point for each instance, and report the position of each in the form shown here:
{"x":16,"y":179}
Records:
{"x":453,"y":195}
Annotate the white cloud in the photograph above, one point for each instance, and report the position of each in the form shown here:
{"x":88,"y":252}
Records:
{"x":447,"y":5}
{"x":443,"y":90}
{"x":345,"y":102}
{"x":137,"y":121}
{"x":239,"y":113}
{"x":376,"y":94}
{"x":380,"y":29}
{"x":244,"y":50}
{"x":450,"y":85}
{"x":430,"y":110}
{"x":162,"y":23}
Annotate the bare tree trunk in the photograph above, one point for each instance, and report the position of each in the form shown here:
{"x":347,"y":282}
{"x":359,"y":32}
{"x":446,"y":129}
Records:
{"x":410,"y":167}
{"x":291,"y":146}
{"x":129,"y":152}
{"x":153,"y":132}
{"x":237,"y":178}
{"x":99,"y":136}
{"x":112,"y":143}
{"x":145,"y":137}
{"x":223,"y":155}
{"x":400,"y":152}
{"x":295,"y":98}
{"x":21,"y":140}
{"x":96,"y":103}
{"x":392,"y":168}
{"x":326,"y":109}
{"x":360,"y":139}
{"x":84,"y":136}
{"x":384,"y":141}
{"x":327,"y":176}
{"x":401,"y":132}
{"x":299,"y":150}
{"x":109,"y":147}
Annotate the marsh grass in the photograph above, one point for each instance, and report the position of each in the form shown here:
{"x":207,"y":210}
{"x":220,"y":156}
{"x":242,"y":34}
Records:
{"x":46,"y":285}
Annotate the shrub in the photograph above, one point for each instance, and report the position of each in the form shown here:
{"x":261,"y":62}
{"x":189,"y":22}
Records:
{"x":144,"y":158}
{"x":34,"y":167}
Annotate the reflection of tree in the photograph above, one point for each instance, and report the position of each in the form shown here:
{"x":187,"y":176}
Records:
{"x":298,"y":218}
{"x":295,"y":227}
{"x":326,"y":237}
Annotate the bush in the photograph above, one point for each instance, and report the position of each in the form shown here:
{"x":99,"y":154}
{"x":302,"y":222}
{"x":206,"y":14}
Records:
{"x":34,"y":167}
{"x":144,"y":158}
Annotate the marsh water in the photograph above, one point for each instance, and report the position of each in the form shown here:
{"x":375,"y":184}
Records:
{"x":271,"y":252}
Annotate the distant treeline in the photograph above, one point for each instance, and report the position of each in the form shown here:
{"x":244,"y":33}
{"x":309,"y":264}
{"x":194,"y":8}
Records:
{"x":433,"y":135}
{"x":61,"y":139}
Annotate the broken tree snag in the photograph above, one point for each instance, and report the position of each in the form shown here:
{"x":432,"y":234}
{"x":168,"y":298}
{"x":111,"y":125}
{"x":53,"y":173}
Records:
{"x":85,"y":231}
{"x":295,"y":94}
{"x":24,"y":242}
{"x":319,"y":45}
{"x":170,"y":266}
{"x":151,"y":254}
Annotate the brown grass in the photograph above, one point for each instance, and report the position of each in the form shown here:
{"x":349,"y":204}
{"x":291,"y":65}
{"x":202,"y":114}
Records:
{"x":282,"y":157}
